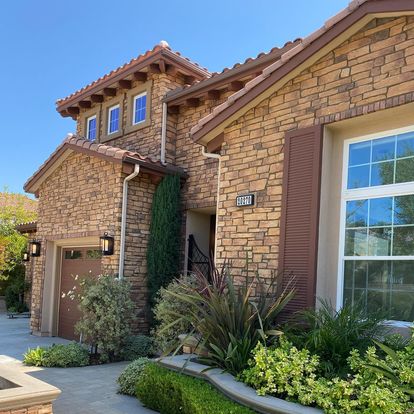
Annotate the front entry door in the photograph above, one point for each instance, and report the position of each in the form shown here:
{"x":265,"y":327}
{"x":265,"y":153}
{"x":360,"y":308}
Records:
{"x":77,"y":263}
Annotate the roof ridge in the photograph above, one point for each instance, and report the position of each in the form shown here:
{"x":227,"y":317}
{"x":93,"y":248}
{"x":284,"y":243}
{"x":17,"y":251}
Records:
{"x":157,"y":48}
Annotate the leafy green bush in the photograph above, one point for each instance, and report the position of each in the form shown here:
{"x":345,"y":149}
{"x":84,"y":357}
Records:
{"x":292,"y":374}
{"x":107,"y":311}
{"x":15,"y":290}
{"x":62,"y":355}
{"x":333,"y":334}
{"x":35,"y":356}
{"x":397,"y":366}
{"x":137,"y":346}
{"x":129,"y":377}
{"x":166,"y":309}
{"x":397,"y":342}
{"x":163,"y":253}
{"x":229,"y":319}
{"x":172,"y":393}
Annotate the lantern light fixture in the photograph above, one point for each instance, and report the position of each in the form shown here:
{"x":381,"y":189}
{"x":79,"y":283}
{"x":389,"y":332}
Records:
{"x":35,"y":248}
{"x":107,"y":245}
{"x":26,"y":256}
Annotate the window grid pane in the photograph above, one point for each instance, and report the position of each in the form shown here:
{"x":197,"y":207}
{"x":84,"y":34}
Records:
{"x":140,"y":104}
{"x":92,"y":129}
{"x":113,"y":120}
{"x":381,"y":161}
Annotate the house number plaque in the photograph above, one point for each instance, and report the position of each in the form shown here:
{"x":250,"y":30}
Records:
{"x":245,"y":200}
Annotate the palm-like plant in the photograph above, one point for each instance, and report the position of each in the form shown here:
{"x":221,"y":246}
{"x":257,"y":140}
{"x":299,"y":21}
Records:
{"x":332,"y":334}
{"x":231,"y":319}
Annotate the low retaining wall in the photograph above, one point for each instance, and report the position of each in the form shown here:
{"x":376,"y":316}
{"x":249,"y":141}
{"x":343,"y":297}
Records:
{"x":235,"y":390}
{"x":20,"y":393}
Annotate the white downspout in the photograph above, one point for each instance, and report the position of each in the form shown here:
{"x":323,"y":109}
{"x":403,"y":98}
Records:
{"x":217,"y":157}
{"x":123,"y":219}
{"x":163,"y":131}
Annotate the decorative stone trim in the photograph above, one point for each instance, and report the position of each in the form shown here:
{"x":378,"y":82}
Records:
{"x":233,"y":389}
{"x":27,"y":392}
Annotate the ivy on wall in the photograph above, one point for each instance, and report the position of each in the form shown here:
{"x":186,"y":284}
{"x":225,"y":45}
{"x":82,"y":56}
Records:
{"x":163,"y":254}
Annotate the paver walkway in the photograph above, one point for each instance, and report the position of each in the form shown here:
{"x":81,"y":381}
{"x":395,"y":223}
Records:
{"x":87,"y":390}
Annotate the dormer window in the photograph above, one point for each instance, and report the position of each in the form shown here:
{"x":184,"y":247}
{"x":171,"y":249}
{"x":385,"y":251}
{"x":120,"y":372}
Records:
{"x":113,"y":119}
{"x":91,"y":128}
{"x":140,"y":108}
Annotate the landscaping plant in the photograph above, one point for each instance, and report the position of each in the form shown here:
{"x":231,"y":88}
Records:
{"x":170,"y":392}
{"x":332,"y":334}
{"x":129,"y":377}
{"x":61,"y":355}
{"x":137,"y":346}
{"x":107,"y":311}
{"x":230,"y":319}
{"x":166,"y":310}
{"x":163,"y":253}
{"x":292,"y":374}
{"x":16,"y":289}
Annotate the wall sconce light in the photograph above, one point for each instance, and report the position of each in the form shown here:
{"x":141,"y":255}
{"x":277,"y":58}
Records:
{"x":35,"y":248}
{"x":107,"y":245}
{"x":26,"y":257}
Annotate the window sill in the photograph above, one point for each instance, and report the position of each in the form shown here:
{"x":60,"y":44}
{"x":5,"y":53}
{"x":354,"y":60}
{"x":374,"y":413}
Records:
{"x":137,"y":127}
{"x":110,"y":137}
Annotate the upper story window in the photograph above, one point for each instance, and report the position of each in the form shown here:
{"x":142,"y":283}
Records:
{"x":377,"y":231}
{"x":113,"y":119}
{"x":140,"y":108}
{"x":91,"y":128}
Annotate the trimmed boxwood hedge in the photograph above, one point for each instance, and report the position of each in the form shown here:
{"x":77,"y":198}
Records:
{"x":170,"y":392}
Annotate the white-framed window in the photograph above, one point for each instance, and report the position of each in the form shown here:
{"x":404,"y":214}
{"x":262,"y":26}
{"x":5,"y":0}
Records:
{"x":376,"y":266}
{"x":139,"y":108}
{"x":91,"y":128}
{"x":113,"y":119}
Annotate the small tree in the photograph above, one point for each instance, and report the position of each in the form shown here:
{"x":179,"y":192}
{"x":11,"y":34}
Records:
{"x":107,"y":311}
{"x":163,"y":254}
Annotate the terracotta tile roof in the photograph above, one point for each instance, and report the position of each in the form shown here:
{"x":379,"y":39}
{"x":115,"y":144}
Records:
{"x":284,"y":58}
{"x":251,"y":64}
{"x":158,"y":49}
{"x":107,"y":152}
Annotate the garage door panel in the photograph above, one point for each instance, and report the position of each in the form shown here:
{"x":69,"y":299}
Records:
{"x":77,"y":263}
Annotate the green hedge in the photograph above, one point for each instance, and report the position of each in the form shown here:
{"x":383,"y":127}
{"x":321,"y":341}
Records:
{"x":172,"y":393}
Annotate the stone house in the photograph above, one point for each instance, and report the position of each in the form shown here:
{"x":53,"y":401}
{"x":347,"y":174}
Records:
{"x":301,"y":158}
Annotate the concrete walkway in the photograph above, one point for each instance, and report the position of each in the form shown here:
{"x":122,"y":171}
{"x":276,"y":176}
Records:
{"x":87,"y":390}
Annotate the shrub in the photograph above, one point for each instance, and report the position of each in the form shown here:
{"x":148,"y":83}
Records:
{"x":163,"y":253}
{"x":14,"y":292}
{"x":166,"y":309}
{"x":129,"y":377}
{"x":35,"y":356}
{"x":107,"y":311}
{"x":333,"y":334}
{"x":230,"y":319}
{"x":397,"y":342}
{"x":137,"y":346}
{"x":170,"y":393}
{"x":63,"y":356}
{"x":292,"y":374}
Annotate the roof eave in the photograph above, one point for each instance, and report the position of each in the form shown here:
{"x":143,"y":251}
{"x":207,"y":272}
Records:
{"x":353,"y":21}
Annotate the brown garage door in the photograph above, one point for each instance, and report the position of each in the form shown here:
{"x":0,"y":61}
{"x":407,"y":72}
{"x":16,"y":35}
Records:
{"x":81,"y":262}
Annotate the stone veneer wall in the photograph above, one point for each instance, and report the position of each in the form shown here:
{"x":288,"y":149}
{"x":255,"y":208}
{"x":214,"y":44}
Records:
{"x":82,"y":198}
{"x":147,"y":139}
{"x":140,"y":195}
{"x":371,"y":71}
{"x":36,"y":409}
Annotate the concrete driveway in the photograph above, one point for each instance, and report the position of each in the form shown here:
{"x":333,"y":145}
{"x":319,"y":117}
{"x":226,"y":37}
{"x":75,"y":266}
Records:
{"x":86,"y":390}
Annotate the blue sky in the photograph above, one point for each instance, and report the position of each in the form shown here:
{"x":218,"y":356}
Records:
{"x":51,"y":48}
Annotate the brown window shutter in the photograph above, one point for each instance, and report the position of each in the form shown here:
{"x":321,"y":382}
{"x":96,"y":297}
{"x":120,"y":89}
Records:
{"x":300,"y":213}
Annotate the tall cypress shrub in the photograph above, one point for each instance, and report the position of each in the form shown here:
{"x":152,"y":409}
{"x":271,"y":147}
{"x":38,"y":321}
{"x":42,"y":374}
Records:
{"x":163,"y":254}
